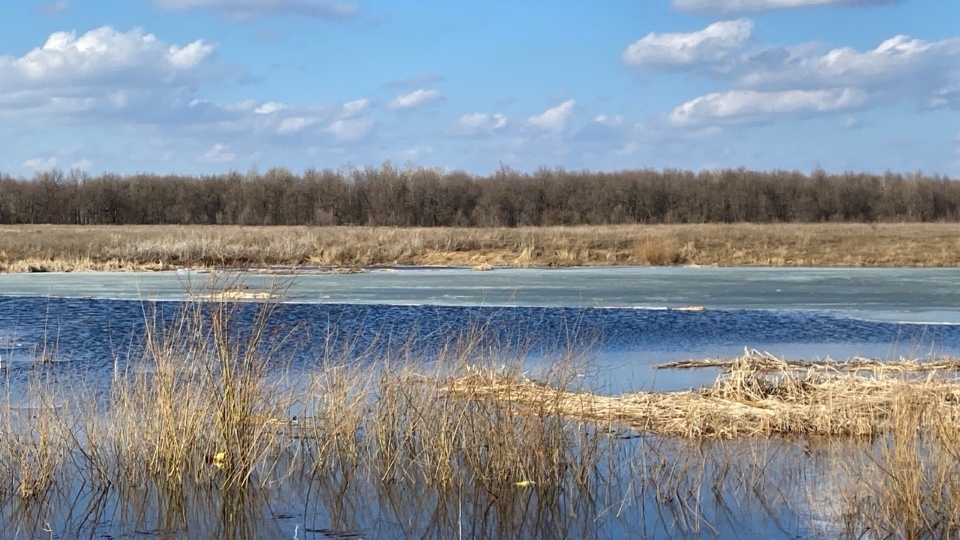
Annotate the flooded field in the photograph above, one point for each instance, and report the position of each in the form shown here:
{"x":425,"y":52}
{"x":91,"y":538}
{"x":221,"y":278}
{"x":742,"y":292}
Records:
{"x":150,"y":406}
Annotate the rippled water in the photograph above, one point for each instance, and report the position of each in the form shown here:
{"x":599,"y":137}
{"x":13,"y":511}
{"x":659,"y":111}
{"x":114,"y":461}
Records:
{"x":95,"y":321}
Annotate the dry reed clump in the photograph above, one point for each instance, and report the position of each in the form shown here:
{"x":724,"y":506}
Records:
{"x":420,"y":431}
{"x":751,"y":398}
{"x":200,"y":397}
{"x":659,"y":252}
{"x":33,"y":449}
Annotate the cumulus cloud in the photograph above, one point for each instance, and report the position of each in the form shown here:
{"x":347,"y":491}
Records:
{"x":132,"y":56}
{"x":712,"y":43}
{"x":345,"y":124}
{"x":248,"y":9}
{"x":899,"y":61}
{"x":739,"y":6}
{"x":738,"y":106}
{"x":477,"y":124}
{"x":807,"y":78}
{"x":417,"y":98}
{"x":136,"y":79}
{"x":102,"y":70}
{"x":554,"y":119}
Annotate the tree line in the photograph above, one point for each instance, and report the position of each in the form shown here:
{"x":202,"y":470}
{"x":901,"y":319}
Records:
{"x":388,"y":196}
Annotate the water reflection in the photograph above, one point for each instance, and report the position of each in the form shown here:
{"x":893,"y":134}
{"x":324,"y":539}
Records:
{"x":655,"y":489}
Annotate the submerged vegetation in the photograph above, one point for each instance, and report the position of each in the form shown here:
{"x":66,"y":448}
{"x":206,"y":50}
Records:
{"x":209,"y":433}
{"x":37,"y":248}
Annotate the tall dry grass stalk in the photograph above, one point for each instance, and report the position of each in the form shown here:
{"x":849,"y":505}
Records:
{"x":906,"y":482}
{"x":200,"y":396}
{"x":33,"y":448}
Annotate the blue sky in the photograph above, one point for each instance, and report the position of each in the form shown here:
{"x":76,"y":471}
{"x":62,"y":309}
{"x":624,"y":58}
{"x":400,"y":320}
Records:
{"x":207,"y":86}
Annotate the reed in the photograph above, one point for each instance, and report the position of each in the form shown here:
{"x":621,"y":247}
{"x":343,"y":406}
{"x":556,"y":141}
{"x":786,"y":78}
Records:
{"x":488,"y":445}
{"x":33,"y":450}
{"x":755,"y":396}
{"x":38,"y":248}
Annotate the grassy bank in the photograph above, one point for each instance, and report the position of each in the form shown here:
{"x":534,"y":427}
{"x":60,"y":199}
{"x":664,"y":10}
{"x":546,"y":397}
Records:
{"x":73,"y":248}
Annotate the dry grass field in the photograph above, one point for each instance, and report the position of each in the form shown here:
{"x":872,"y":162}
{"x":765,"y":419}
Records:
{"x":75,"y":248}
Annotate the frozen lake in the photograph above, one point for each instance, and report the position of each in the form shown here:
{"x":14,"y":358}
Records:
{"x":623,"y":313}
{"x":887,"y":294}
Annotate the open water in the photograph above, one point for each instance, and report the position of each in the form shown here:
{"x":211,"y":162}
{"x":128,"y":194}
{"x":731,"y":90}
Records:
{"x":627,"y":319}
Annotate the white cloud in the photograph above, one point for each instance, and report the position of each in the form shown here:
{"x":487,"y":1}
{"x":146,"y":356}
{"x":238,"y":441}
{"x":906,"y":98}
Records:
{"x":899,"y":62}
{"x":100,"y":71}
{"x":737,"y":106}
{"x":350,"y":129}
{"x":739,"y":6}
{"x":40,"y":164}
{"x":417,"y":98}
{"x":295,"y":124}
{"x":713,"y":43}
{"x":132,"y":55}
{"x":554,"y":119}
{"x":248,"y":9}
{"x":810,"y":79}
{"x":217,"y":153}
{"x":357,"y":106}
{"x":477,"y":124}
{"x":269,"y":107}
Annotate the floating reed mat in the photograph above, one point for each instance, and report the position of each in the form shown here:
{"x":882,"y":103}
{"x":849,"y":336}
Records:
{"x":751,"y":397}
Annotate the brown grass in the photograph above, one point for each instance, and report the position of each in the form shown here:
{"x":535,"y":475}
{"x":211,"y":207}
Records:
{"x":753,"y":397}
{"x":65,"y":248}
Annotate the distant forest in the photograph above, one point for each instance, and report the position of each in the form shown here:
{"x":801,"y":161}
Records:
{"x":387,"y":196}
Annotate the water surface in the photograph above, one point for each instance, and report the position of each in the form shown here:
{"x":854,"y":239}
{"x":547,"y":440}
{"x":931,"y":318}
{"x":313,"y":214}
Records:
{"x":86,"y":326}
{"x":625,"y":317}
